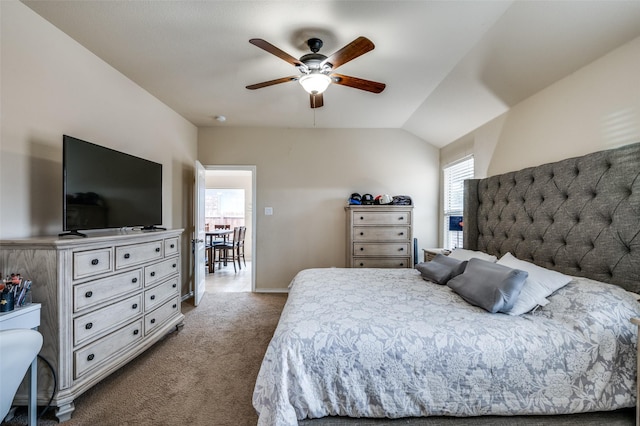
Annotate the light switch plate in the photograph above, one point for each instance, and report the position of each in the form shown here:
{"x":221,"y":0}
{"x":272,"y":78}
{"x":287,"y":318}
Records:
{"x":268,"y":211}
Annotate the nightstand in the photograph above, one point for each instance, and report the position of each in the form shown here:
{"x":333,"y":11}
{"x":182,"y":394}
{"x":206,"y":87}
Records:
{"x":430,"y":253}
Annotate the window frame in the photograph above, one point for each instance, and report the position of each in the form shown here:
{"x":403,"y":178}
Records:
{"x":453,"y":239}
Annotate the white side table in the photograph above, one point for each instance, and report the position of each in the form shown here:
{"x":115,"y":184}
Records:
{"x":26,"y":317}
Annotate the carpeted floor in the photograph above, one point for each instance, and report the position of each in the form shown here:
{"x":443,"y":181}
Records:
{"x":202,"y":375}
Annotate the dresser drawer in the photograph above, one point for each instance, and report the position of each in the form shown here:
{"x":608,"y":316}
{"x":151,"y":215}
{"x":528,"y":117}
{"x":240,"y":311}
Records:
{"x":156,"y":295}
{"x":171,"y":246}
{"x":160,"y":270}
{"x":381,"y":218}
{"x":96,"y":323}
{"x":382,"y":262}
{"x":381,"y":249}
{"x":95,"y":292}
{"x":135,"y":254}
{"x":158,"y":317}
{"x":92,"y":262}
{"x":102,"y":351}
{"x":381,"y":233}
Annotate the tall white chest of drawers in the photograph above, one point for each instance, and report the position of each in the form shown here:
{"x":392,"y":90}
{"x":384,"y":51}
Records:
{"x":379,"y":236}
{"x":105,"y":299}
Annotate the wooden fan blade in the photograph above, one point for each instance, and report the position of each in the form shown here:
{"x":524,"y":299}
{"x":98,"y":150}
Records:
{"x":272,"y":82}
{"x":358,"y":83}
{"x":265,"y":45}
{"x":357,"y":47}
{"x":316,"y":101}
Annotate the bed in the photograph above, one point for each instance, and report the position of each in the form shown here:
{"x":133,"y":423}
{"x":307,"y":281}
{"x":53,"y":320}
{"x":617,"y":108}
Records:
{"x":386,"y":343}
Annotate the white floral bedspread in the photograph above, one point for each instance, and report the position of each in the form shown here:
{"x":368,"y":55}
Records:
{"x":385,"y":343}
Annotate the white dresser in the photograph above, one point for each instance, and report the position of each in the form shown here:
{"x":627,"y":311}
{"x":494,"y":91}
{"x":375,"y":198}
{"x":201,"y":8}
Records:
{"x":105,"y":299}
{"x":379,"y":236}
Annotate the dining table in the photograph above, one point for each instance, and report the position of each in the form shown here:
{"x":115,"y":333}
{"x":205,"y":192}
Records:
{"x":210,"y":237}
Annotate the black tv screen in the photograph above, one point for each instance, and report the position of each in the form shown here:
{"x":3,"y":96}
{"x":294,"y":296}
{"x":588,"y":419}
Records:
{"x":104,"y":188}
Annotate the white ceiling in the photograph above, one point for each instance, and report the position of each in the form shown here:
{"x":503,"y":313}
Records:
{"x":449,"y":66}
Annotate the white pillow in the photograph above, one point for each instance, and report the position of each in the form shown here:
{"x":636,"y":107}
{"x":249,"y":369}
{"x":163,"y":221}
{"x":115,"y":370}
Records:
{"x":463,"y":254}
{"x":540,"y":283}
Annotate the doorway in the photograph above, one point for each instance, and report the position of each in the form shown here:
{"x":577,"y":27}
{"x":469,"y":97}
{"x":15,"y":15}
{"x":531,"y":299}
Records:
{"x":230,"y":200}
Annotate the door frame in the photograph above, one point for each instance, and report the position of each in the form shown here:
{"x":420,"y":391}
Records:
{"x":254,"y":254}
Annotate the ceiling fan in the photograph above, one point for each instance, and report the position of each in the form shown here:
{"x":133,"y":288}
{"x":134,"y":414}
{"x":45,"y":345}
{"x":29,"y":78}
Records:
{"x":316,"y":69}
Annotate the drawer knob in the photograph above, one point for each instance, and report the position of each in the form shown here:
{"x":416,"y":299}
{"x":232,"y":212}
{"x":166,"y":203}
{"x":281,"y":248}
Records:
{"x":134,"y":306}
{"x":134,"y":280}
{"x":361,"y":264}
{"x":175,"y":305}
{"x":135,"y":332}
{"x":174,"y":265}
{"x":361,"y":217}
{"x":127,"y":255}
{"x":153,"y":297}
{"x":401,"y":248}
{"x":401,"y":264}
{"x":362,"y":233}
{"x":174,"y":285}
{"x":90,"y":357}
{"x":157,"y":249}
{"x":88,"y":294}
{"x":172,"y":246}
{"x":153,"y":321}
{"x":361,"y":248}
{"x":401,"y":218}
{"x":153,"y":274}
{"x":88,"y":325}
{"x":402,"y":233}
{"x":94,"y":262}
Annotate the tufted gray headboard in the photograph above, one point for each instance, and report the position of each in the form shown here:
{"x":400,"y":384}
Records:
{"x":579,"y":216}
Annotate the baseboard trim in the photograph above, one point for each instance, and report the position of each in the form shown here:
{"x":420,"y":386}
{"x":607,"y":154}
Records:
{"x":271,"y":290}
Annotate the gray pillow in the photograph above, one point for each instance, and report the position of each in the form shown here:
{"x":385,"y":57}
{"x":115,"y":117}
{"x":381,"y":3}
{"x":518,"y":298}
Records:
{"x":441,"y":269}
{"x":488,"y":285}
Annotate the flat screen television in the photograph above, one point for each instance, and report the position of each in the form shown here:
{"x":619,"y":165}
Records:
{"x":104,"y":188}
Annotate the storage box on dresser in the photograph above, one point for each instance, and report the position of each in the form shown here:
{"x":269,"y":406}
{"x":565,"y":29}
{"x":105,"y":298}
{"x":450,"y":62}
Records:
{"x":105,"y":299}
{"x":379,"y":236}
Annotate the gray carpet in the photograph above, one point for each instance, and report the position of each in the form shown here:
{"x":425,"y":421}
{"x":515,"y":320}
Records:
{"x":204,"y":375}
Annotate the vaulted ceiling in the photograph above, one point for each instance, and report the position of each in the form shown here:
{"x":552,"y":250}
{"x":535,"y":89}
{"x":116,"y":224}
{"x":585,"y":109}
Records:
{"x":448,"y":66}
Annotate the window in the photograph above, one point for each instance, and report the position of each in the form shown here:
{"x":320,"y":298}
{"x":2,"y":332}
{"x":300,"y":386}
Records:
{"x":224,"y":207}
{"x":454,"y":176}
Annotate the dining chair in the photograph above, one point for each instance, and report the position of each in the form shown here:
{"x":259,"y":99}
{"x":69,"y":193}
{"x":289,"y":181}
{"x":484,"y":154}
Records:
{"x":210,"y":246}
{"x":229,"y":250}
{"x":222,"y":227}
{"x":243,"y":232}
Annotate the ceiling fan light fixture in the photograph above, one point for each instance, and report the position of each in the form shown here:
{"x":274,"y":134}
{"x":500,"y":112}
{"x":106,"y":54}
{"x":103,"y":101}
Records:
{"x":315,"y":83}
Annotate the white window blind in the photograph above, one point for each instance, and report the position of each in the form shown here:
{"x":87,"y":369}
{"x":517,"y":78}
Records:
{"x":454,"y":176}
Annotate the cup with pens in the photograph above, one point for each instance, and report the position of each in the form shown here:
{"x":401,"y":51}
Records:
{"x":14,"y":292}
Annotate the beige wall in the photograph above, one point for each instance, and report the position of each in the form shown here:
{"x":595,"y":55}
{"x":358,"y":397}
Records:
{"x":51,"y":86}
{"x":595,"y":108}
{"x":307,"y":177}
